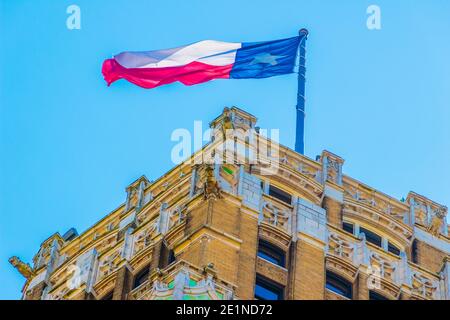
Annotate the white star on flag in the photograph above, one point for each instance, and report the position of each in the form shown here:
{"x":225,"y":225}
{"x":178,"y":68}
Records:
{"x":266,"y":58}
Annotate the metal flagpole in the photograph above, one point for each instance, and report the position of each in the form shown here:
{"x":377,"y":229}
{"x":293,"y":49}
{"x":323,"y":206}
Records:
{"x":300,"y":130}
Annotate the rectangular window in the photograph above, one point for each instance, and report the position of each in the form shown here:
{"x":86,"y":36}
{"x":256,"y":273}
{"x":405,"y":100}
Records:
{"x":267,"y":290}
{"x":349,"y":227}
{"x":393,"y":249}
{"x":371,"y":237}
{"x":280,"y":194}
{"x":271,"y":253}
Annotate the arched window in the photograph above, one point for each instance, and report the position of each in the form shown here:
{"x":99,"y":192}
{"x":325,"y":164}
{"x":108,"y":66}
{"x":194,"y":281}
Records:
{"x":338,"y":285}
{"x":141,"y":277}
{"x":271,"y":253}
{"x":393,"y":249}
{"x":376,"y":296}
{"x":371,"y":237}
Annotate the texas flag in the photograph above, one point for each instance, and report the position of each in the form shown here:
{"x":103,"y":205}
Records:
{"x":203,"y":61}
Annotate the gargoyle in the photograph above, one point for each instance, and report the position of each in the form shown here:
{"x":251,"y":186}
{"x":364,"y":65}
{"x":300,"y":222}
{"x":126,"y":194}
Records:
{"x":24,"y":268}
{"x":436,"y":223}
{"x":211,"y":188}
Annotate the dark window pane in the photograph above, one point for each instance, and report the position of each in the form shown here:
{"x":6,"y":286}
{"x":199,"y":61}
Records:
{"x":376,"y":296}
{"x":338,"y":285}
{"x":271,"y":253}
{"x":267,"y":257}
{"x":393,"y":249}
{"x":280,"y":194}
{"x":265,"y":290}
{"x":371,"y":237}
{"x":262,"y":293}
{"x":348,"y":227}
{"x":109,"y":296}
{"x":171,"y":256}
{"x":141,"y":277}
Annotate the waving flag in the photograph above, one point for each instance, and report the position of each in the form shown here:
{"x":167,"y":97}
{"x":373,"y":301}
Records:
{"x":203,"y":61}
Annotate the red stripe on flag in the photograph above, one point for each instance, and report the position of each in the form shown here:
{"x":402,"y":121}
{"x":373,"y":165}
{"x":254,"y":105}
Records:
{"x":189,"y":74}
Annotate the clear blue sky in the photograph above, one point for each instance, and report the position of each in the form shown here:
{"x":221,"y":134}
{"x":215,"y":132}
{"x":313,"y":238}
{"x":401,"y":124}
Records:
{"x":69,"y":145}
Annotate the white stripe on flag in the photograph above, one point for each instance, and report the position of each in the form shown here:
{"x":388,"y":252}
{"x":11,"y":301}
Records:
{"x":215,"y":53}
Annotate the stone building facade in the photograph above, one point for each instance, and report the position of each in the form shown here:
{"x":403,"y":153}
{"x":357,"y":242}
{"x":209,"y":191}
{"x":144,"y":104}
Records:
{"x":243,"y":230}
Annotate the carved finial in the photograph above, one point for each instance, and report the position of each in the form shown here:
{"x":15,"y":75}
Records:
{"x":24,"y":268}
{"x":303,"y":31}
{"x":227,"y":123}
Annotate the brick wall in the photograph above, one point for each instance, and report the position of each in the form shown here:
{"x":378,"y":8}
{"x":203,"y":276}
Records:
{"x":334,"y":211}
{"x":428,"y":256}
{"x":309,"y":277}
{"x":123,"y":283}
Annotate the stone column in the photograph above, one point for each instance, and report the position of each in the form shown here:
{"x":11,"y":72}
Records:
{"x":445,"y":279}
{"x":309,"y":269}
{"x":363,"y":290}
{"x":333,"y":198}
{"x":247,"y":256}
{"x":333,"y":204}
{"x":123,"y":283}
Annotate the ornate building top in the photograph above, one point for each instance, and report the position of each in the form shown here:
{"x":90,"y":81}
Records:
{"x":302,"y":200}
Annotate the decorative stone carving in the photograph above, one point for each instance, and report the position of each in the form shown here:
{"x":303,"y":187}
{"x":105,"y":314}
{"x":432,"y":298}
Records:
{"x":232,"y":123}
{"x":210,"y":186}
{"x":187,"y":285}
{"x":362,"y":196}
{"x":109,"y":263}
{"x":144,"y":237}
{"x":340,"y":247}
{"x":423,"y":285}
{"x":429,"y":214}
{"x":383,"y":266}
{"x":331,"y":167}
{"x":136,"y":194}
{"x":437,"y":221}
{"x":24,"y":268}
{"x":275,"y":215}
{"x":176,"y":216}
